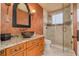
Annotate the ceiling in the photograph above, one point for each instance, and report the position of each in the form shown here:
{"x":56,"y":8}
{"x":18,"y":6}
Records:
{"x":51,"y":6}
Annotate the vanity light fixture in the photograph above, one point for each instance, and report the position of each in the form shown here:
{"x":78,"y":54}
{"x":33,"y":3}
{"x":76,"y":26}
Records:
{"x":33,"y":11}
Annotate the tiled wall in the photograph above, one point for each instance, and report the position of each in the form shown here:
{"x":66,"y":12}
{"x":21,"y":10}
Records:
{"x":36,"y":21}
{"x":55,"y":34}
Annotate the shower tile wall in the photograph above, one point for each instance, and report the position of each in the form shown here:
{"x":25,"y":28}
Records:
{"x":55,"y":36}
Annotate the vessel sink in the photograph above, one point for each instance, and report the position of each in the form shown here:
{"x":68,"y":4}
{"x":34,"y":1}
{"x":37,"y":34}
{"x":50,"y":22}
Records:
{"x":6,"y":36}
{"x":27,"y":34}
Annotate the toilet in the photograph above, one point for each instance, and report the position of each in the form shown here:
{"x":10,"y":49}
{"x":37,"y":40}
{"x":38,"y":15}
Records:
{"x":47,"y":43}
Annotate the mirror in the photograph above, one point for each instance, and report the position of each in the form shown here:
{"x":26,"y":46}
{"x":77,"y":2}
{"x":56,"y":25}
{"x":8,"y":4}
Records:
{"x":21,"y":15}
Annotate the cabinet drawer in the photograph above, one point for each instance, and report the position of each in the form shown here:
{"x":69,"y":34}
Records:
{"x":28,"y":44}
{"x":31,"y":44}
{"x":13,"y":50}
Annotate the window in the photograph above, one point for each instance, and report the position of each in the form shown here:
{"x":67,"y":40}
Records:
{"x":57,"y":18}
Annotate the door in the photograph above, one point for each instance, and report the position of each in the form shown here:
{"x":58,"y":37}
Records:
{"x":70,"y":26}
{"x":67,"y":27}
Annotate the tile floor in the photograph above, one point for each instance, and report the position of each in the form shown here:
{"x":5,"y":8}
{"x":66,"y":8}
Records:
{"x":55,"y":51}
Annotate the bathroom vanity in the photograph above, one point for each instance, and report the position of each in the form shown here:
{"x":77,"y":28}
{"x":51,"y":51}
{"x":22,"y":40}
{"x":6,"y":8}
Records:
{"x":23,"y":46}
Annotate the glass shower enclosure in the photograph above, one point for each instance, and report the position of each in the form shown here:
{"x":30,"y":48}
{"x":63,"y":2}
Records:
{"x":59,"y":28}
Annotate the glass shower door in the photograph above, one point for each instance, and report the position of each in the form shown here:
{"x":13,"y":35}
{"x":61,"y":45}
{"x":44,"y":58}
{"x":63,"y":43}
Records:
{"x":67,"y":27}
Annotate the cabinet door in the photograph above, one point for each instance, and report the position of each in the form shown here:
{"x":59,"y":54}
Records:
{"x":32,"y":52}
{"x":19,"y":54}
{"x":29,"y":53}
{"x":25,"y":53}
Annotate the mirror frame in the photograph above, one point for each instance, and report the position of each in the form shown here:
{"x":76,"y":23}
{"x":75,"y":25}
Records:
{"x":14,"y":19}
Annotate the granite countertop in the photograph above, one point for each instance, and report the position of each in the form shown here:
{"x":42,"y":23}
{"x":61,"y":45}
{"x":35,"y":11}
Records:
{"x":15,"y":41}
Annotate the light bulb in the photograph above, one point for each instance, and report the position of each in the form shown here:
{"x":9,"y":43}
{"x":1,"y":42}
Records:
{"x":33,"y":11}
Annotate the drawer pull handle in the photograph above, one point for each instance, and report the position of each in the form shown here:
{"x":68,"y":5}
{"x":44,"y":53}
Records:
{"x":15,"y":50}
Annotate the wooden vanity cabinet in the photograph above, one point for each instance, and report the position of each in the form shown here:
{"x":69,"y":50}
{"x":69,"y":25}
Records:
{"x":29,"y":48}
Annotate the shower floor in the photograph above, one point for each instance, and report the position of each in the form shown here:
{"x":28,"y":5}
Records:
{"x":58,"y":51}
